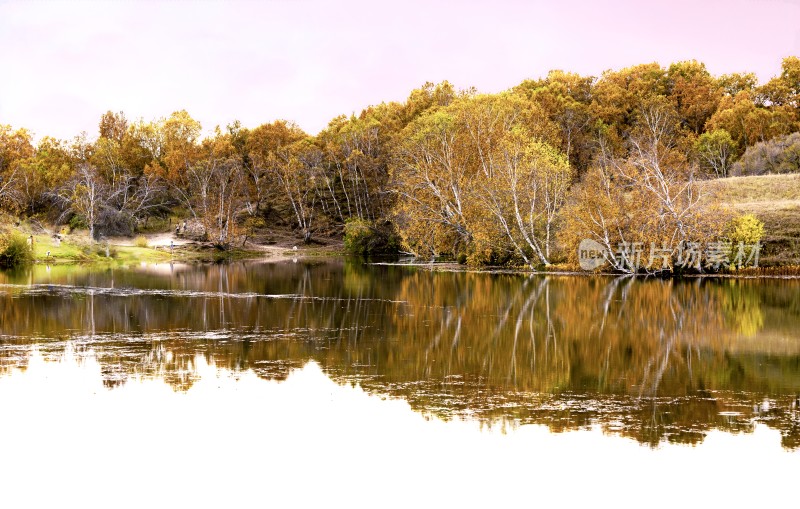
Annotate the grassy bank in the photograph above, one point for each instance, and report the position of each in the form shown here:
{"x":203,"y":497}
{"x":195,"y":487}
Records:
{"x":74,"y":249}
{"x":775,"y":200}
{"x":78,"y":249}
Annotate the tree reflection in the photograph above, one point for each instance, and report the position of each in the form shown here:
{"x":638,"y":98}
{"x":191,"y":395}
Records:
{"x":650,"y":359}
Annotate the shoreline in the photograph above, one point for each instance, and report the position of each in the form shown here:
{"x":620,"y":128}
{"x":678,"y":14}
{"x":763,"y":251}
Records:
{"x":271,"y":254}
{"x":455,"y":267}
{"x":77,"y":249}
{"x":166,"y":248}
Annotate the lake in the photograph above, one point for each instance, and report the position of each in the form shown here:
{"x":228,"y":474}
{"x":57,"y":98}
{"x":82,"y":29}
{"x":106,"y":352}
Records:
{"x":332,"y":382}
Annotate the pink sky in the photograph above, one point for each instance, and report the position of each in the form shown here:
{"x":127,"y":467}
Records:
{"x":62,"y":64}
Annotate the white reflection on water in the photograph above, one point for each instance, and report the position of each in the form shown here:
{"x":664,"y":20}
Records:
{"x":234,"y":438}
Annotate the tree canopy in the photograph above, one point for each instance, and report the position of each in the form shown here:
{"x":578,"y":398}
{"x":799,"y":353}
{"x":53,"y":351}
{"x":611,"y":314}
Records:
{"x":515,"y":177}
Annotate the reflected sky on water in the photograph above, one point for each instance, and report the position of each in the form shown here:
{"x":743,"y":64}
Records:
{"x":236,"y":438}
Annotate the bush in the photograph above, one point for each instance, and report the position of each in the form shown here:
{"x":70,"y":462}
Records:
{"x":746,"y":228}
{"x":492,"y":256}
{"x":115,"y":223}
{"x":140,"y":241}
{"x":744,"y":232}
{"x":365,"y":238}
{"x":15,"y":251}
{"x":77,"y":222}
{"x":779,"y":155}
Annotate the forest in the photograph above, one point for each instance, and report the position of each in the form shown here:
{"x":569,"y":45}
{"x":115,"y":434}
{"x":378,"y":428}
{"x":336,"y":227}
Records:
{"x":517,"y":178}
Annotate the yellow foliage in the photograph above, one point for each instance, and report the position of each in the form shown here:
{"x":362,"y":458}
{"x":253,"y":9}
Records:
{"x":745,"y":228}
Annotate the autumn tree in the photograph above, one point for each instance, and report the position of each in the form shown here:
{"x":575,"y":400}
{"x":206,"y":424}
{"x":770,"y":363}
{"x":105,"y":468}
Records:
{"x":15,"y":149}
{"x":526,"y":192}
{"x":645,"y":207}
{"x":749,"y":123}
{"x":85,"y":194}
{"x":433,"y":184}
{"x":262,"y":145}
{"x":297,"y":169}
{"x":618,"y":95}
{"x":597,"y":210}
{"x":505,"y":138}
{"x":565,"y":98}
{"x":429,"y":96}
{"x":356,"y":151}
{"x":734,"y":83}
{"x":784,"y":89}
{"x":144,"y":145}
{"x":50,"y":167}
{"x":694,"y":94}
{"x":113,"y":126}
{"x":173,"y":145}
{"x":716,"y":151}
{"x":219,"y":175}
{"x":469,"y":180}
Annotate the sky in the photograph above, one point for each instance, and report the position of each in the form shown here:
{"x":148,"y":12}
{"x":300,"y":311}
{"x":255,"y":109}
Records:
{"x":65,"y":63}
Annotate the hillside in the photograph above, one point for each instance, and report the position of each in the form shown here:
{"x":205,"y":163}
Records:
{"x":775,"y":199}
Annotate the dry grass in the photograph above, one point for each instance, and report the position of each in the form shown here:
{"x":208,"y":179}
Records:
{"x":774,"y":199}
{"x":764,"y":188}
{"x":767,"y":206}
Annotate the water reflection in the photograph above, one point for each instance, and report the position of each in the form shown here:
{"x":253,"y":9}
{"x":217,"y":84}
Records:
{"x":233,"y":438}
{"x":655,"y":360}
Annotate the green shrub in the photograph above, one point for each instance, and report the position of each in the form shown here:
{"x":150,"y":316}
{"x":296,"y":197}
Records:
{"x":15,"y":251}
{"x":365,"y":238}
{"x":77,"y":222}
{"x":357,"y":236}
{"x":140,"y":241}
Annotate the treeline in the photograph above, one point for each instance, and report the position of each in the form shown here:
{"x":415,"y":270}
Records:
{"x":517,"y":177}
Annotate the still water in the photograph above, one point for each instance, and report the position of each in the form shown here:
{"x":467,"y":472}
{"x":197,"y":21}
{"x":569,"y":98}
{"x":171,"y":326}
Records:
{"x":343,"y":384}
